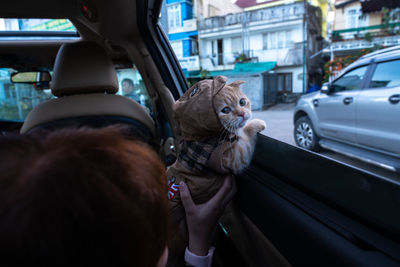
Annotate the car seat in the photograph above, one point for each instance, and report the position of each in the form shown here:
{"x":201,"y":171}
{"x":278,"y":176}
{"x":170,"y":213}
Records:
{"x":85,"y":83}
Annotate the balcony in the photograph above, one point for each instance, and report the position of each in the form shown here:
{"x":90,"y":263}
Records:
{"x":366,"y":37}
{"x":261,"y":16}
{"x":189,"y":25}
{"x":283,"y":57}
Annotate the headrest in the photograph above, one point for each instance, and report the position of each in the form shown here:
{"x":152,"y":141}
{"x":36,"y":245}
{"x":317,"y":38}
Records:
{"x":83,"y":68}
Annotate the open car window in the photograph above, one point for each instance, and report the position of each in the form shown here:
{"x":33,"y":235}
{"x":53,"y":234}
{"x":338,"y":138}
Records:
{"x":284,"y":67}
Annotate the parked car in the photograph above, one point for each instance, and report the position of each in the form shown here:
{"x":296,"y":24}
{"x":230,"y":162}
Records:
{"x":358,"y":113}
{"x":292,"y":207}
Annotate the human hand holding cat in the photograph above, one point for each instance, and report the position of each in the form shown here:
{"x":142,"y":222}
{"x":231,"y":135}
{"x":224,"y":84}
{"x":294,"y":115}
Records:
{"x":202,"y":218}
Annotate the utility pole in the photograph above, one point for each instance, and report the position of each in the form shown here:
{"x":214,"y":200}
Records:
{"x":246,"y":34}
{"x":304,"y":46}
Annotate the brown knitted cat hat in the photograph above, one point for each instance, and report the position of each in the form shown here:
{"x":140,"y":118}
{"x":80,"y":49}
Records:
{"x":194,"y":111}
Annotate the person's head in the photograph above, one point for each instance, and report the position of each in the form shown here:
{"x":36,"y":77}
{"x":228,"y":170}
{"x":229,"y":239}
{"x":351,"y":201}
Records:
{"x":127,"y":86}
{"x":81,"y":197}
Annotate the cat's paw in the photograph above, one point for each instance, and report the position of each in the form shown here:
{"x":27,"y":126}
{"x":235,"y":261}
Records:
{"x":257,"y":125}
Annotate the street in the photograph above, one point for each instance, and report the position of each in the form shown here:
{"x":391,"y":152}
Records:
{"x":279,"y":120}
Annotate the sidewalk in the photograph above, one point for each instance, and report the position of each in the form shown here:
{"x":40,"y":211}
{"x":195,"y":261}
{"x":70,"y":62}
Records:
{"x":279,"y":120}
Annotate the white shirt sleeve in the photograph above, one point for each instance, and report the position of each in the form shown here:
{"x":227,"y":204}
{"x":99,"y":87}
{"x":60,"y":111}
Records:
{"x":194,"y":260}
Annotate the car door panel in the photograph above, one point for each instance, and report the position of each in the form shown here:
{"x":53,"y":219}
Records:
{"x":378,"y":111}
{"x":378,"y":121}
{"x":293,"y":216}
{"x":336,"y":120}
{"x":336,"y":111}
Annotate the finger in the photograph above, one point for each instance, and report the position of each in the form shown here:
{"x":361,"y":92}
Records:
{"x":187,"y":200}
{"x":226,"y":187}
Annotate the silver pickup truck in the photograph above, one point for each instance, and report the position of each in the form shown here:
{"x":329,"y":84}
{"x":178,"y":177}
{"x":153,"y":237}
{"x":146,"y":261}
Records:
{"x":358,"y":113}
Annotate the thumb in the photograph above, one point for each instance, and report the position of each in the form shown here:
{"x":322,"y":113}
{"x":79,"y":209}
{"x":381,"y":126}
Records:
{"x":187,"y":200}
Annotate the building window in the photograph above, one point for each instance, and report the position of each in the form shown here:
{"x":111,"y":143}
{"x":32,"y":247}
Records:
{"x":194,"y":47}
{"x":236,"y":45}
{"x":289,"y":41}
{"x":395,"y":15}
{"x":265,"y":41}
{"x":174,"y":16}
{"x":281,"y":39}
{"x":355,"y":18}
{"x":284,"y":83}
{"x":178,"y":48}
{"x":274,"y":40}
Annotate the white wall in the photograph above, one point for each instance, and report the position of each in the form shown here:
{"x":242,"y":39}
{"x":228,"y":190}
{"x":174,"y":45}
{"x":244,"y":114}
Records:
{"x":221,"y":7}
{"x":283,"y":56}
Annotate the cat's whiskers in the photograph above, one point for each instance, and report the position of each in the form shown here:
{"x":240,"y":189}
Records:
{"x":224,"y":133}
{"x":228,"y":130}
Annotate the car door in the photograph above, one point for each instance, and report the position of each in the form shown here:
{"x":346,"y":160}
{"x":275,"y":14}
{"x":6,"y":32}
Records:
{"x":378,"y":109}
{"x":336,"y":111}
{"x":307,"y":209}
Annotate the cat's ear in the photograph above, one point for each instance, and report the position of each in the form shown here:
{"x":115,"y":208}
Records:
{"x":236,"y":84}
{"x":218,"y":83}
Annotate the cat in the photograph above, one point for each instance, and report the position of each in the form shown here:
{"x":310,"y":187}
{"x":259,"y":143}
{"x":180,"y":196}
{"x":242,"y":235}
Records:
{"x":234,"y":111}
{"x":218,"y":138}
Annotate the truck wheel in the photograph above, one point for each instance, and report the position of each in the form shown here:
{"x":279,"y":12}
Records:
{"x":304,"y":134}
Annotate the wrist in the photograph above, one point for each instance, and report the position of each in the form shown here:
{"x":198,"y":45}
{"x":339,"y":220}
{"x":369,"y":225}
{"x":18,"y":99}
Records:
{"x":198,"y":247}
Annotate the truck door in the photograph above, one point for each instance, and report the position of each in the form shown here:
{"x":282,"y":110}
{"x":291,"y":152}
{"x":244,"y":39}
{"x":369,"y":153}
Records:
{"x":378,"y":109}
{"x":336,"y":111}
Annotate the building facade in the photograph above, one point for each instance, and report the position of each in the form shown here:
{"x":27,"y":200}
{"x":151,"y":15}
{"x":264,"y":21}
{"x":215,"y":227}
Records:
{"x":364,"y":24}
{"x":181,"y":20}
{"x":283,"y":36}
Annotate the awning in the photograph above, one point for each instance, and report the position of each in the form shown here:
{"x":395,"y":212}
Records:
{"x":240,"y":69}
{"x":345,"y":3}
{"x":368,"y":6}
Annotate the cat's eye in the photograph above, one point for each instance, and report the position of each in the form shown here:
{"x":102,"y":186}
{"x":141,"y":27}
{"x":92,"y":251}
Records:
{"x":242,"y":102}
{"x":226,"y":110}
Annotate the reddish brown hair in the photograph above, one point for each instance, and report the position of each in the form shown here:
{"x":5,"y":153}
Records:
{"x":81,"y":197}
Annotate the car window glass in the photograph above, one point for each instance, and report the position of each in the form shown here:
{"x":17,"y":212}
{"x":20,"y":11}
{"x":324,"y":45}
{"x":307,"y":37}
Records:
{"x":384,"y":76}
{"x":131,"y":85}
{"x":350,"y":81}
{"x":18,"y":99}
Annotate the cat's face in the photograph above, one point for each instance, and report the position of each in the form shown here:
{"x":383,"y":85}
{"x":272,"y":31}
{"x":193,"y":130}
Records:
{"x":233,"y":107}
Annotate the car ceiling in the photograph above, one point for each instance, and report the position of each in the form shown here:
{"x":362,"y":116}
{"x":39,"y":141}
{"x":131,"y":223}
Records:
{"x":114,"y":28}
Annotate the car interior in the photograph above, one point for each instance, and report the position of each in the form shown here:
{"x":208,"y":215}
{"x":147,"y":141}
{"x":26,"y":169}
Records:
{"x":293,"y":207}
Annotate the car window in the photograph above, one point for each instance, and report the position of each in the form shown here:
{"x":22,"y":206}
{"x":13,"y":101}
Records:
{"x":18,"y":99}
{"x":131,"y":85}
{"x":14,"y":24}
{"x":349,"y":81}
{"x":384,"y":76}
{"x":284,"y":68}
